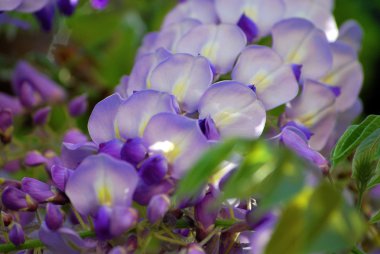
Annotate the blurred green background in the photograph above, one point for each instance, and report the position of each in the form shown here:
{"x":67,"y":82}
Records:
{"x":91,"y":50}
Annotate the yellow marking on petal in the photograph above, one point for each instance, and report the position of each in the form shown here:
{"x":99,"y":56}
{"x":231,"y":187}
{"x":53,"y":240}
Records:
{"x":329,"y":79}
{"x":179,"y":90}
{"x":116,"y":129}
{"x":251,"y":12}
{"x":142,"y":126}
{"x":223,"y":118}
{"x":209,"y":50}
{"x":104,"y":195}
{"x":261,"y":79}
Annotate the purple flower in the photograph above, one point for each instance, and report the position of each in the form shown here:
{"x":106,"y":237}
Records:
{"x":298,"y":41}
{"x":99,"y":4}
{"x":220,"y":44}
{"x":45,"y":16}
{"x":112,"y":147}
{"x":314,"y":108}
{"x":274,"y":80}
{"x":41,"y":116}
{"x":40,"y":191}
{"x":234,"y":109}
{"x":263,"y":230}
{"x":6,"y":125}
{"x":16,"y":234}
{"x":22,"y":5}
{"x":248,"y":27}
{"x":144,"y":192}
{"x":11,"y":103}
{"x":185,"y":76}
{"x":202,"y":10}
{"x":60,"y":175}
{"x":54,"y":217}
{"x":134,"y":151}
{"x":178,"y":138}
{"x":205,"y":213}
{"x":34,"y":158}
{"x":153,"y":169}
{"x":15,"y":199}
{"x":74,"y":136}
{"x":34,"y":88}
{"x":73,"y":154}
{"x":67,"y":7}
{"x":78,"y":106}
{"x":157,"y":208}
{"x":264,"y":13}
{"x":352,"y":34}
{"x":101,"y":180}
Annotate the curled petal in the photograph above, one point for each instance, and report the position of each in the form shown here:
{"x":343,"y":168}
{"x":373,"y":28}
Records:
{"x":265,"y":13}
{"x":298,"y":41}
{"x":73,"y":154}
{"x":101,"y":123}
{"x":221,"y":44}
{"x":11,"y":103}
{"x":234,"y":108}
{"x":101,"y":180}
{"x":134,"y":114}
{"x":9,"y":5}
{"x":178,"y":138}
{"x":275,"y":81}
{"x":185,"y":76}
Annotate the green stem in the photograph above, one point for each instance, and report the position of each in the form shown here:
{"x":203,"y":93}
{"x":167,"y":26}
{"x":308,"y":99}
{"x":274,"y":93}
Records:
{"x":35,"y":243}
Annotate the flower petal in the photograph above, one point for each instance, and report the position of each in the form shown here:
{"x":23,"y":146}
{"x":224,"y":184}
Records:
{"x":221,"y":44}
{"x":298,"y":41}
{"x":234,"y":109}
{"x":178,"y":138}
{"x":185,"y":76}
{"x":274,"y":81}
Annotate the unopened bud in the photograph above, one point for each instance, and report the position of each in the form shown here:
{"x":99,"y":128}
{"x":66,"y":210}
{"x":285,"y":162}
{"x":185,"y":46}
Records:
{"x":16,"y":234}
{"x":157,"y":208}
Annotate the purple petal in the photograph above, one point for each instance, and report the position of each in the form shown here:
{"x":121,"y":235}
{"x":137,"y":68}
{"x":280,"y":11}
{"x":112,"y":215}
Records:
{"x":16,"y":234}
{"x":15,"y":199}
{"x":39,"y":84}
{"x":202,"y":10}
{"x":248,"y":27}
{"x":157,"y":208}
{"x":112,"y":148}
{"x":38,"y":190}
{"x":54,"y":217}
{"x":67,"y":7}
{"x":135,"y":113}
{"x":60,"y":175}
{"x":319,"y":13}
{"x":9,"y":5}
{"x":34,"y":158}
{"x":101,"y":123}
{"x":178,"y":138}
{"x":140,"y":75}
{"x":352,"y":34}
{"x":41,"y":116}
{"x":78,"y":105}
{"x":220,"y":44}
{"x":73,"y":154}
{"x":31,"y":5}
{"x":45,"y":16}
{"x":295,"y":139}
{"x":121,"y":88}
{"x":101,"y":180}
{"x":274,"y":81}
{"x":11,"y":103}
{"x":185,"y":76}
{"x":234,"y":108}
{"x":314,"y":108}
{"x":209,"y":128}
{"x":153,"y":170}
{"x":346,"y":74}
{"x":169,"y":36}
{"x":6,"y":122}
{"x":144,"y":193}
{"x":74,"y":136}
{"x":134,"y":151}
{"x":261,"y":236}
{"x":99,"y":4}
{"x":265,"y":13}
{"x":298,"y":41}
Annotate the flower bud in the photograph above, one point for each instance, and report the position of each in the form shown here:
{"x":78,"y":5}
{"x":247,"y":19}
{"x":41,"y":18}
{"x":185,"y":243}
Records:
{"x":15,"y":199}
{"x":6,"y":125}
{"x":99,"y":4}
{"x":118,"y":250}
{"x":53,"y":217}
{"x":12,"y":166}
{"x":206,"y":214}
{"x":248,"y":27}
{"x":134,"y":151}
{"x":34,"y":158}
{"x":45,"y":16}
{"x":195,"y":249}
{"x":132,"y":243}
{"x":112,"y":148}
{"x":67,"y":7}
{"x":123,"y":218}
{"x":41,"y":116}
{"x":74,"y":136}
{"x":40,"y":191}
{"x":28,"y":96}
{"x":144,"y":192}
{"x":102,"y":223}
{"x":297,"y":68}
{"x":157,"y":207}
{"x":78,"y":106}
{"x":60,"y":175}
{"x":16,"y":234}
{"x":154,"y":169}
{"x":11,"y":103}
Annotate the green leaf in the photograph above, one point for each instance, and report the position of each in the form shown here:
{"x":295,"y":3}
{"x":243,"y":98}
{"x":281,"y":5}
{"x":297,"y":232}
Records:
{"x":375,"y":218}
{"x":274,"y":174}
{"x":353,"y":136}
{"x":208,"y":165}
{"x":364,"y":164}
{"x":316,"y":221}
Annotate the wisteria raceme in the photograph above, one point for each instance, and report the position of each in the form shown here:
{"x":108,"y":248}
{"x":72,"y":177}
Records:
{"x":208,"y":75}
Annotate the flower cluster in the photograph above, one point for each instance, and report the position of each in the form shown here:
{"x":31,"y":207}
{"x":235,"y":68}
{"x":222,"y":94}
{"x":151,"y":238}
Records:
{"x":217,"y":69}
